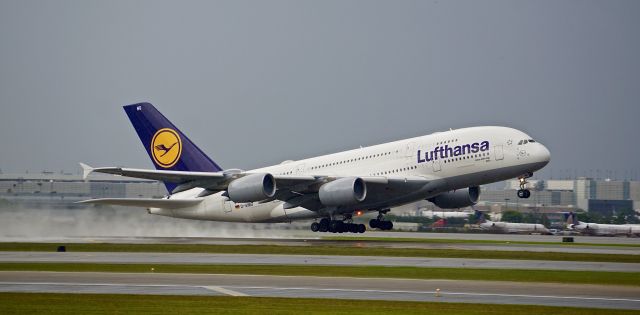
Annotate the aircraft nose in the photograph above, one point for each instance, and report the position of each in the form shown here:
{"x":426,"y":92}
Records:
{"x":543,"y":154}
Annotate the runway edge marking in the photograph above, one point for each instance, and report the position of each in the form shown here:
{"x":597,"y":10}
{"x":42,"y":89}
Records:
{"x":224,"y":291}
{"x":441,"y":292}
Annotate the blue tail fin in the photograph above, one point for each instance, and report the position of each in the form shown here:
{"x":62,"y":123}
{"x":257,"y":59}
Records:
{"x":570,"y":218}
{"x":167,"y":146}
{"x":479,"y":215}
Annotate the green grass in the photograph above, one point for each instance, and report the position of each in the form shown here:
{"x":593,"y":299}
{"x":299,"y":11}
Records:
{"x":322,"y":250}
{"x":519,"y":275}
{"x":89,"y":304}
{"x":463,"y":241}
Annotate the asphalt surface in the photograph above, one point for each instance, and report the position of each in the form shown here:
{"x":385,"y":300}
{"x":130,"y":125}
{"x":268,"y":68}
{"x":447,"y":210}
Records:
{"x":598,"y":249}
{"x":589,"y":296}
{"x":297,"y":235}
{"x":261,"y":259}
{"x":506,"y":237}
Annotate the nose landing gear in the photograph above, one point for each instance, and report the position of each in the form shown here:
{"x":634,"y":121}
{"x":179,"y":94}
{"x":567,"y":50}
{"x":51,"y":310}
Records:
{"x":523,"y":192}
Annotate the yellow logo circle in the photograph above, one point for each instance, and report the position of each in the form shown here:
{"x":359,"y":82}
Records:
{"x":166,"y":147}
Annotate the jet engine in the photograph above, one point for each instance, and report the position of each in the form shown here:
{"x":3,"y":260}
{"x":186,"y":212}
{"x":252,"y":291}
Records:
{"x":457,"y":199}
{"x":254,"y":187}
{"x":343,"y":192}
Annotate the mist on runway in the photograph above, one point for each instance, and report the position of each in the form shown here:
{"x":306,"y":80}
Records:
{"x":32,"y":224}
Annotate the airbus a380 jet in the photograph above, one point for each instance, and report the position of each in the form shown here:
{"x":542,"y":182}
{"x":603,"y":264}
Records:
{"x":445,"y":168}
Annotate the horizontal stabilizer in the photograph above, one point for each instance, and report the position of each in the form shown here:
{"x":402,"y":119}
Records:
{"x":166,"y":176}
{"x":145,"y":202}
{"x":86,"y":170}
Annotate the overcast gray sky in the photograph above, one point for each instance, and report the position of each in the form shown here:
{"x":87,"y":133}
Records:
{"x":257,"y":82}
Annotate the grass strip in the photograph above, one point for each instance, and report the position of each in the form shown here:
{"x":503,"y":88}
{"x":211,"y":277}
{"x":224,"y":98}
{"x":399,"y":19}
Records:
{"x":89,"y":304}
{"x":519,"y":275}
{"x":463,"y":241}
{"x":322,"y":250}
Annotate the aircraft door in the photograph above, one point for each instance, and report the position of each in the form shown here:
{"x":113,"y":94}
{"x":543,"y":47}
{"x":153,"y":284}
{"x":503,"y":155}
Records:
{"x":300,"y":169}
{"x":499,"y":154}
{"x":227,"y":205}
{"x":437,"y":166}
{"x":410,"y":150}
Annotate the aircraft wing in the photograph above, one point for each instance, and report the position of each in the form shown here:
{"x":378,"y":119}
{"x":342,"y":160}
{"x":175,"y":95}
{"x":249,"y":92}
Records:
{"x":145,"y":202}
{"x":296,"y":190}
{"x":213,"y":181}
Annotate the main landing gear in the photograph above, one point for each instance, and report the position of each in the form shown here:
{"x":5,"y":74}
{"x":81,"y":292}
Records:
{"x":379,"y":223}
{"x":337,"y":226}
{"x":523,"y":192}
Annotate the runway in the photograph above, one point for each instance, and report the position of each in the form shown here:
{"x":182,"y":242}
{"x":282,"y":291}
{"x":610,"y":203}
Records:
{"x":577,"y":295}
{"x":619,"y":297}
{"x":325,"y":260}
{"x":594,"y":249}
{"x":506,"y":237}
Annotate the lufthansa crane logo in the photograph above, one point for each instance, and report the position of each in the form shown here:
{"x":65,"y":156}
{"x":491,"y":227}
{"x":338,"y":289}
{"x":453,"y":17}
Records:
{"x":166,"y":147}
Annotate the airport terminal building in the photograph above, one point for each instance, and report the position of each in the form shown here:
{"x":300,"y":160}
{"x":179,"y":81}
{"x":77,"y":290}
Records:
{"x":603,"y":196}
{"x":63,"y":189}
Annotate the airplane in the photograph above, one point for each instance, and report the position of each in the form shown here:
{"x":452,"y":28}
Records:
{"x":510,"y":227}
{"x":445,"y":168}
{"x":599,"y":229}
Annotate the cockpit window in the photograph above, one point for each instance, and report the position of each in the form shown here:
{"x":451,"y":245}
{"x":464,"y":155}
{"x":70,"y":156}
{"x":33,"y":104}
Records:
{"x":531,"y":140}
{"x":520,"y":142}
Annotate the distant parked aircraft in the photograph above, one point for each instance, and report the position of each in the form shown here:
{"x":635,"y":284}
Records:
{"x":600,"y":229}
{"x":447,"y":214}
{"x":509,"y":227}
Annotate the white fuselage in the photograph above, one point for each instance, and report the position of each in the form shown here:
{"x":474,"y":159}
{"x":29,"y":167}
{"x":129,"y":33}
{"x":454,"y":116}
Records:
{"x":514,"y":228}
{"x":428,"y":157}
{"x":606,"y":229}
{"x":447,"y":214}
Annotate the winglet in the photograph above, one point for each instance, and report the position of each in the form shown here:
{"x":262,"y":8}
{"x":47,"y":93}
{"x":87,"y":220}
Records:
{"x":86,"y":170}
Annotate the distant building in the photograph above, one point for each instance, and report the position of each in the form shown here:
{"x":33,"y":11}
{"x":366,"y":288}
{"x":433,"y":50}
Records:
{"x":63,"y":189}
{"x":602,"y":196}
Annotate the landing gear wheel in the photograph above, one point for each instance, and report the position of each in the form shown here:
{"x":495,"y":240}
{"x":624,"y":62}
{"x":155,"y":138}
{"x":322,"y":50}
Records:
{"x":324,"y":225}
{"x":524,"y":193}
{"x":315,"y":227}
{"x":361,"y":228}
{"x":337,"y":226}
{"x":382,"y":225}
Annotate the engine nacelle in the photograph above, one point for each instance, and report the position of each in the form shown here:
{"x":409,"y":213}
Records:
{"x":250,"y":188}
{"x":343,"y":192}
{"x":457,"y":199}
